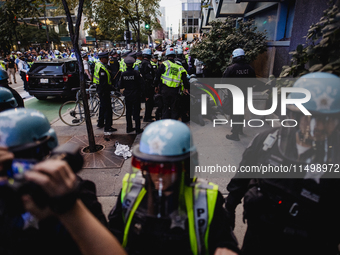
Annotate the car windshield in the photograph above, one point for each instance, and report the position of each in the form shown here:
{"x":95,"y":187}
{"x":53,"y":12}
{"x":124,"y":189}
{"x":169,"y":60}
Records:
{"x":47,"y":69}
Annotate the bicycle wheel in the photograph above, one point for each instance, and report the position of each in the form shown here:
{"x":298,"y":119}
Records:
{"x":72,"y":113}
{"x":94,"y":104}
{"x":118,"y":107}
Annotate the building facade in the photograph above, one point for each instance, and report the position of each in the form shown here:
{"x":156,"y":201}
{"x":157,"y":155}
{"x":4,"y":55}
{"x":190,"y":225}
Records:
{"x":286,"y":23}
{"x":191,"y":10}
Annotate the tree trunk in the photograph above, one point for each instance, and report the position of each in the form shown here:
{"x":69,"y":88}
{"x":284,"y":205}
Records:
{"x":138,"y":28}
{"x":74,"y":38}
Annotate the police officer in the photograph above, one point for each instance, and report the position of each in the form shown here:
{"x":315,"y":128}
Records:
{"x":114,"y":67}
{"x":148,"y":75}
{"x":102,"y":78}
{"x":132,"y":83}
{"x":4,"y":84}
{"x":122,"y":65}
{"x":154,"y":62}
{"x":181,"y":57}
{"x":30,"y":139}
{"x":169,"y":78}
{"x":138,"y":63}
{"x":297,"y":212}
{"x":160,"y":209}
{"x":239,"y":69}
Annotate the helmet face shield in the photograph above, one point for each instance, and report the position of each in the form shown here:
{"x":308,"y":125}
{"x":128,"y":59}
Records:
{"x":313,"y":140}
{"x":162,"y":175}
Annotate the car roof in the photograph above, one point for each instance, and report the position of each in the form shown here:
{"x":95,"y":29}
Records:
{"x":56,"y":60}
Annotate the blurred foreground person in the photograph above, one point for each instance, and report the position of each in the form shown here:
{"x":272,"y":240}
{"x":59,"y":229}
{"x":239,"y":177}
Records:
{"x":160,"y":209}
{"x":297,"y":212}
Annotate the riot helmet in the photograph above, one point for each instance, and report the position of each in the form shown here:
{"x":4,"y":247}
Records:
{"x":7,"y":100}
{"x":27,"y":133}
{"x":313,"y":138}
{"x":163,"y":159}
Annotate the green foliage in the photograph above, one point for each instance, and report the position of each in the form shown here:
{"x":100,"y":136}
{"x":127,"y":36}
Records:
{"x":321,"y":52}
{"x":11,"y":13}
{"x":28,"y":34}
{"x":217,"y":46}
{"x":114,"y":13}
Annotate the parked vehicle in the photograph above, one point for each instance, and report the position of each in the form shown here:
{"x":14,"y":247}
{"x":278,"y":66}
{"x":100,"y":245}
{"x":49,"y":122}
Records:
{"x":54,"y":77}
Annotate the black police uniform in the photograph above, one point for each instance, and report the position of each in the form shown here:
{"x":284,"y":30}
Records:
{"x":114,"y":69}
{"x":170,"y":96}
{"x":51,"y":237}
{"x":105,"y":110}
{"x":132,"y":81}
{"x":240,"y":69}
{"x":148,"y":75}
{"x":151,"y":235}
{"x":183,"y":61}
{"x":286,"y":216}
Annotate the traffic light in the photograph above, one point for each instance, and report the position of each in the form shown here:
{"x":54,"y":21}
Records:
{"x":40,"y":25}
{"x":147,"y":26}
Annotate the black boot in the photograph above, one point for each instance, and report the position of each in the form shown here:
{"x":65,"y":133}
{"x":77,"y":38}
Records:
{"x":233,"y":137}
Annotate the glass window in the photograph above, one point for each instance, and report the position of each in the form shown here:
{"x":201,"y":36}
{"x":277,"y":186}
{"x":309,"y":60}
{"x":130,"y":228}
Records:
{"x":183,"y":22}
{"x":47,"y":69}
{"x":196,"y":22}
{"x":190,"y":30}
{"x":184,"y":7}
{"x":266,"y":20}
{"x":190,"y":22}
{"x":290,"y":18}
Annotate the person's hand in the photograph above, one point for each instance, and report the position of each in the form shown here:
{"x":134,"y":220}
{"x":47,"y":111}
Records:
{"x":5,"y":156}
{"x":146,"y":99}
{"x":57,"y":179}
{"x":156,"y":90}
{"x":224,"y":251}
{"x":186,"y":92}
{"x":54,"y":176}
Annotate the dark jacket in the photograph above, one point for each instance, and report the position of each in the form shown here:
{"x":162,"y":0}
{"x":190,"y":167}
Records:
{"x":51,"y":237}
{"x":292,"y":214}
{"x":133,"y":83}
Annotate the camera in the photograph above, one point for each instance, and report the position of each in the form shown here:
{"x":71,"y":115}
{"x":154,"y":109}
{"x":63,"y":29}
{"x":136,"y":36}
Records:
{"x":16,"y":186}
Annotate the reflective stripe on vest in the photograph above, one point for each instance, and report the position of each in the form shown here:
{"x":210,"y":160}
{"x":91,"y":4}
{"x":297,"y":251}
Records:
{"x":187,"y":58}
{"x":122,"y":65}
{"x":137,"y":63}
{"x":97,"y":67}
{"x":200,"y":201}
{"x":172,"y":75}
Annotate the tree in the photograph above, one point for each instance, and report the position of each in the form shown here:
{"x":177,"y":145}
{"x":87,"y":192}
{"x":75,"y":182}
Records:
{"x":217,"y":46}
{"x":114,"y":13}
{"x":11,"y":13}
{"x":74,"y":35}
{"x":28,"y":34}
{"x":321,"y":53}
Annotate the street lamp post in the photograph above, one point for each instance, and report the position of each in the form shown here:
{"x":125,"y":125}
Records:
{"x":94,"y":25}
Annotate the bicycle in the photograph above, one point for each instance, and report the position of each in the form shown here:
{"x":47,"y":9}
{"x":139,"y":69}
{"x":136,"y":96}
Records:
{"x":72,"y":112}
